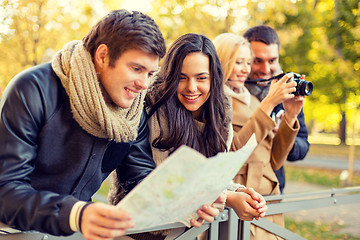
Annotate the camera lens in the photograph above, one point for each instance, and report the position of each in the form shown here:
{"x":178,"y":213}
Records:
{"x":303,"y":88}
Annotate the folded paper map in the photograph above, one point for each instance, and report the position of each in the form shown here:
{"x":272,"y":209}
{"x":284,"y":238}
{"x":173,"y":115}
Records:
{"x":182,"y":184}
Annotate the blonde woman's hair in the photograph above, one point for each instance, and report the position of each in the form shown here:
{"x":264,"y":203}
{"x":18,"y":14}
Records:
{"x":227,"y":46}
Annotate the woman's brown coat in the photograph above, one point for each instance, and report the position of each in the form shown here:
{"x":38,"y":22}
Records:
{"x":269,"y":155}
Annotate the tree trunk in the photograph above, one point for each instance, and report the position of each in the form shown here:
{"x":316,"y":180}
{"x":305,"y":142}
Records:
{"x":342,"y":128}
{"x":342,"y":125}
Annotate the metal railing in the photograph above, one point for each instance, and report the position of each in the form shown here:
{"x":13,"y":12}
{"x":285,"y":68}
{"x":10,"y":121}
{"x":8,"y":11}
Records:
{"x":227,"y":225}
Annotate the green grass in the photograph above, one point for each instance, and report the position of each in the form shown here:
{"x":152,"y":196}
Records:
{"x":323,"y":177}
{"x":316,"y":231}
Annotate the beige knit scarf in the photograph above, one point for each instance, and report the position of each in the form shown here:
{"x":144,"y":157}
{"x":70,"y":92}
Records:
{"x":74,"y":66}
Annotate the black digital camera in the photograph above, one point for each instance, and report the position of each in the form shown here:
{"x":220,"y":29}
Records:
{"x":303,"y":88}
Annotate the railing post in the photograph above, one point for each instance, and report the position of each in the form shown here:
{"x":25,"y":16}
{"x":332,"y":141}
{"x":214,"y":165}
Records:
{"x":244,"y":229}
{"x":214,"y":227}
{"x":229,"y":229}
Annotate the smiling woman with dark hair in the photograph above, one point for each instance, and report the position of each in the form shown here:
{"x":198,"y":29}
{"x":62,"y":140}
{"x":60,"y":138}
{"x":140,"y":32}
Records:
{"x":187,"y":99}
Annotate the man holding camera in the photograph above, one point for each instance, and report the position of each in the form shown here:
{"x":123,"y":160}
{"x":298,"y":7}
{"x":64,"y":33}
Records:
{"x":265,"y":44}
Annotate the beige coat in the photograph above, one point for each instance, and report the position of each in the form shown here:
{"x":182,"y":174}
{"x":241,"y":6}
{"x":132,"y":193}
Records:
{"x":269,"y":155}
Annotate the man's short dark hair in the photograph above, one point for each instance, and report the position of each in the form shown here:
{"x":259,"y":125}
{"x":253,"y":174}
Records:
{"x":262,"y":33}
{"x":121,"y":30}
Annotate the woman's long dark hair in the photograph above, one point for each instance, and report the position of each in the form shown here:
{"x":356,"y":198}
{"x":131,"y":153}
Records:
{"x":180,"y":122}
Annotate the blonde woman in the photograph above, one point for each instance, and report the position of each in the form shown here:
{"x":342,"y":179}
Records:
{"x":249,"y":115}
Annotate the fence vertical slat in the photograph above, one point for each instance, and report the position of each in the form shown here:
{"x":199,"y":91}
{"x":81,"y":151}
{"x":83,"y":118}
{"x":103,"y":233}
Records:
{"x":214,"y":231}
{"x":229,"y":229}
{"x":244,"y":230}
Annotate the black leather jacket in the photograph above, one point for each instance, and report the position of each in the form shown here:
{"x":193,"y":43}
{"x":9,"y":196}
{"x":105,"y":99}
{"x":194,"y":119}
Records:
{"x":48,"y":162}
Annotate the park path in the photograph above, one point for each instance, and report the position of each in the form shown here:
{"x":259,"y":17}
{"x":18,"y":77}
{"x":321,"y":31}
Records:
{"x":327,"y":162}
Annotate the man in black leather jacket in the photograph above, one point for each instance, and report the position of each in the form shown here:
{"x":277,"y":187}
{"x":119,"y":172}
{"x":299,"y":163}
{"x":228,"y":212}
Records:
{"x":265,"y":44}
{"x":66,"y":125}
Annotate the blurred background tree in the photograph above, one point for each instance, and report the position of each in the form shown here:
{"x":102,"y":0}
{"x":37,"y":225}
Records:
{"x":320,"y":38}
{"x":32,"y":30}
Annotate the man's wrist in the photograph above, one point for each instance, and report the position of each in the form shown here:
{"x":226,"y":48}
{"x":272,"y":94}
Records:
{"x":74,"y":218}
